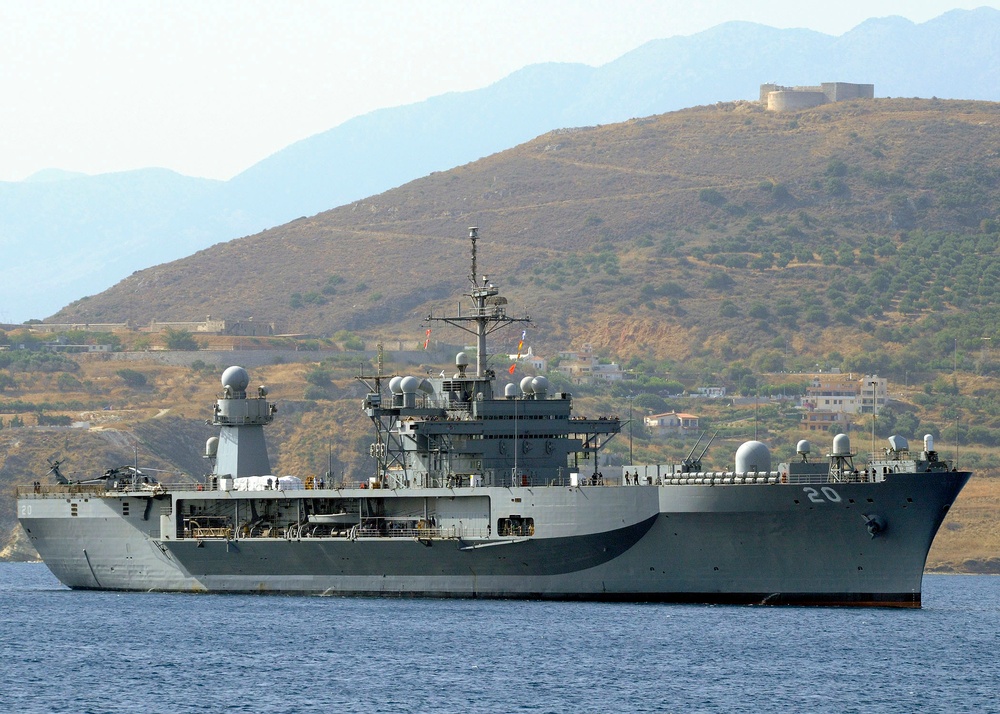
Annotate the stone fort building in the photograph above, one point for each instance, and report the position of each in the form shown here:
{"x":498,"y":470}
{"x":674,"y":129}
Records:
{"x":788,"y":99}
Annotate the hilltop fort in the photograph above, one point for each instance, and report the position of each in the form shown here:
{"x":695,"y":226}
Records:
{"x":787,"y":99}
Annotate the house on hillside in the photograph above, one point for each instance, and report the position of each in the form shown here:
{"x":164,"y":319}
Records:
{"x":837,"y":392}
{"x":584,"y":367}
{"x":836,"y":422}
{"x":540,"y":364}
{"x":711,"y":392}
{"x":832,"y":397}
{"x":671,"y":423}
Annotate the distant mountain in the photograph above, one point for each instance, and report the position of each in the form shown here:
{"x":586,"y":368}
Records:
{"x":77,"y":236}
{"x":52,"y":175}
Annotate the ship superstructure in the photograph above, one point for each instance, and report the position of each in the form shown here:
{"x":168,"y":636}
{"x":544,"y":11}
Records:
{"x":480,"y":494}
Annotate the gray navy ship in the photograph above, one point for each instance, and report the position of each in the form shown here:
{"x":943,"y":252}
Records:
{"x":498,"y":495}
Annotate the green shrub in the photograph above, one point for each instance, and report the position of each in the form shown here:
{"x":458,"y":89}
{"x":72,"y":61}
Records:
{"x":132,"y":378}
{"x":711,"y":196}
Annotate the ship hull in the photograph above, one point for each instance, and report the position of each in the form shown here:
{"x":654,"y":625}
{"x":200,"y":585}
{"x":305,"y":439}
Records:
{"x":768,"y":544}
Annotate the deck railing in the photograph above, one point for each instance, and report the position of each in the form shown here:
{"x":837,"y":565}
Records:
{"x":311,"y":532}
{"x":718,"y":478}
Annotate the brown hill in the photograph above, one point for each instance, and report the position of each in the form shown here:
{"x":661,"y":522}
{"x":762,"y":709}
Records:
{"x":618,"y":235}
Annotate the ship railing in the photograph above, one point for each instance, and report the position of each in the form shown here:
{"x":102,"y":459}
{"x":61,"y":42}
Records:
{"x":455,"y":410}
{"x":221,"y":419}
{"x":204,"y":532}
{"x":59,"y":490}
{"x":722,"y":478}
{"x":339,"y":531}
{"x":432,"y":533}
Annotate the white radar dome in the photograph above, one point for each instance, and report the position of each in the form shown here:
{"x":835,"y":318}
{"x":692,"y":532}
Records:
{"x":510,"y":390}
{"x":928,"y":442}
{"x":236,"y":378}
{"x":461,"y":360}
{"x":540,"y":384}
{"x":212,"y":447}
{"x":409,"y":385}
{"x":394,"y":385}
{"x":526,"y":385}
{"x":803,"y":447}
{"x":841,"y":445}
{"x":753,"y":456}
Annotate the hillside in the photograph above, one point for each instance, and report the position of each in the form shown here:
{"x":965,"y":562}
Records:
{"x":71,"y":236}
{"x":722,"y":232}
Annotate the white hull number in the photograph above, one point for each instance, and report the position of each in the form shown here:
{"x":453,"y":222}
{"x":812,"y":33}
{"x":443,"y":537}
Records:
{"x":823,"y":495}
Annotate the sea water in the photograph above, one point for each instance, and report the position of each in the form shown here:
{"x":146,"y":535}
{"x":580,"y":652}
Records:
{"x":73,"y":651}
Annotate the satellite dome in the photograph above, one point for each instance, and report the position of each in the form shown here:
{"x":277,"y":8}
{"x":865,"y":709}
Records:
{"x":236,"y":378}
{"x":409,"y":385}
{"x":510,"y":390}
{"x":540,"y":384}
{"x":753,"y":456}
{"x":461,"y":360}
{"x":526,"y":385}
{"x":841,"y":445}
{"x":898,"y":443}
{"x":394,"y":385}
{"x":803,"y":447}
{"x":212,"y":447}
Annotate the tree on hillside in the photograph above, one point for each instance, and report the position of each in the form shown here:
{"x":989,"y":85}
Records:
{"x":180,"y":340}
{"x":136,"y":380}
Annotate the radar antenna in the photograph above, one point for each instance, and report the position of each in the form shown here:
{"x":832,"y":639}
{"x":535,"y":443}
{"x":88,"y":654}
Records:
{"x":489,"y":313}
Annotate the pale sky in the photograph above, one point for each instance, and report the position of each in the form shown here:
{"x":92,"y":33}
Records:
{"x":209,"y":87}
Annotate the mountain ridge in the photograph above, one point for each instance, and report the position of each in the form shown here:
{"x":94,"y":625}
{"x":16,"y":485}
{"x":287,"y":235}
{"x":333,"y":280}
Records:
{"x":48,"y":230}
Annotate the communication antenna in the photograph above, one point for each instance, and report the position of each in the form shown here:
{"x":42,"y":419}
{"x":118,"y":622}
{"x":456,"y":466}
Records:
{"x":473,"y":236}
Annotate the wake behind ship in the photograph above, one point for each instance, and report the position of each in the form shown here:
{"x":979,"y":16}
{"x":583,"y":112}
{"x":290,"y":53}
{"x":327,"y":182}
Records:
{"x":480,"y":494}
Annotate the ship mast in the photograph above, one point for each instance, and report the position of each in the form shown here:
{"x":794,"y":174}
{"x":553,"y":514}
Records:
{"x":489,"y":312}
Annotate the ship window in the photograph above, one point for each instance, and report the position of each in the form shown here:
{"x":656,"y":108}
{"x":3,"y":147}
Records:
{"x":73,"y":509}
{"x":515,"y":526}
{"x":124,"y":508}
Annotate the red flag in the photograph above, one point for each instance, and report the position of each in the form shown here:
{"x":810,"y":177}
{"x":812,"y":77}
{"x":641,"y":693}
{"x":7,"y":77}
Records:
{"x":511,"y":370}
{"x":427,"y":339}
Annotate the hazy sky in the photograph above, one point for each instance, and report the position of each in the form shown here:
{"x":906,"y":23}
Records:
{"x":208,"y":88}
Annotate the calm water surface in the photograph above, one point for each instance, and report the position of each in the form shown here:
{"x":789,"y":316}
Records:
{"x":66,"y":651}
